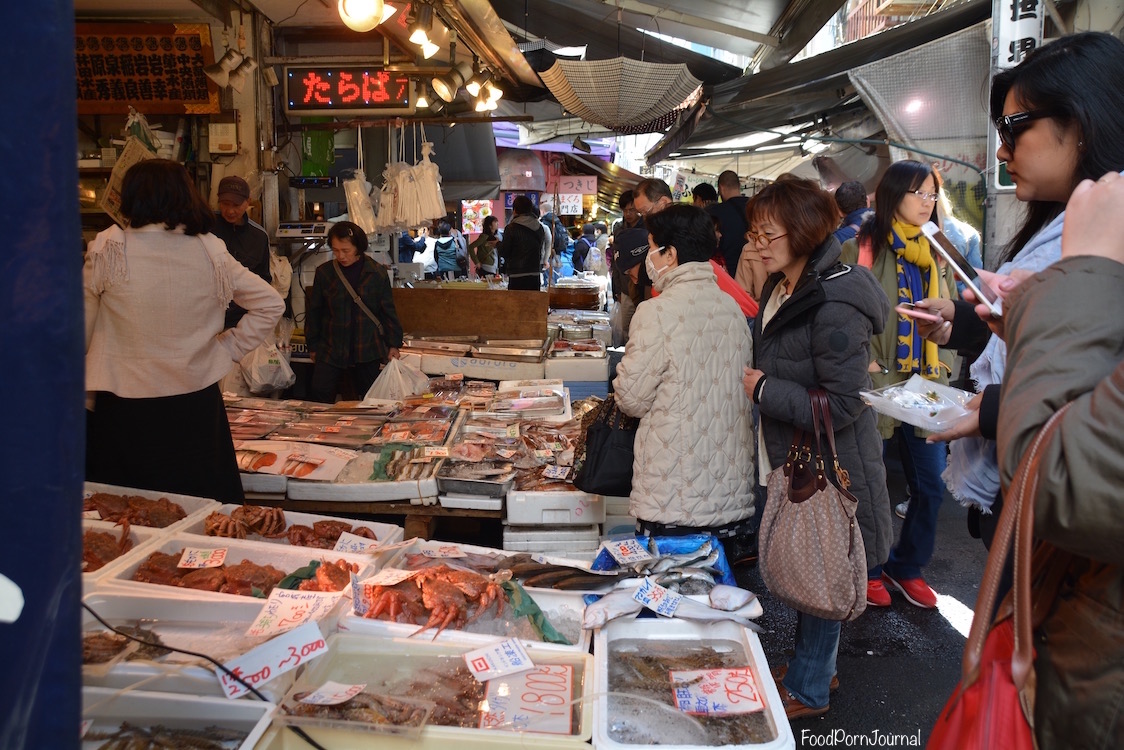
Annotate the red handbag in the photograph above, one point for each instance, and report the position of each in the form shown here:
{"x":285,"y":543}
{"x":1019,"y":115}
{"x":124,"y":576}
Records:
{"x":993,"y":705}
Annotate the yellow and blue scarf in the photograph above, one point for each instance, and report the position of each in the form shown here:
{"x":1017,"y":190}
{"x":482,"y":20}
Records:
{"x":918,"y":277}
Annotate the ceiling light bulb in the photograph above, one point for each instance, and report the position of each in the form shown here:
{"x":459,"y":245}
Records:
{"x":429,"y":49}
{"x":423,"y":101}
{"x":494,"y":92}
{"x":476,"y":83}
{"x":422,"y":25}
{"x":446,"y":86}
{"x":361,"y":15}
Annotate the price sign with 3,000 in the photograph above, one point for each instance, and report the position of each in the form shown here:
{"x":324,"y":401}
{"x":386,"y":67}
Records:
{"x":353,"y":89}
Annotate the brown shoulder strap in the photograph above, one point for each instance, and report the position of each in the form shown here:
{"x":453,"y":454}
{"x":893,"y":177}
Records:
{"x":355,"y":296}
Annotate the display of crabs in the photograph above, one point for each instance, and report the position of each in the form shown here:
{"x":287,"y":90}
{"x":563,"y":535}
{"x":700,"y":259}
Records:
{"x":137,"y":510}
{"x":245,"y":578}
{"x":249,"y":520}
{"x":438,"y":597}
{"x":101,"y":547}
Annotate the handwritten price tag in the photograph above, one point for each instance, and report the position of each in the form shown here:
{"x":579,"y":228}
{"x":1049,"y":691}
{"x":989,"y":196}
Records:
{"x":512,"y":431}
{"x":286,"y":609}
{"x":349,"y":542}
{"x":455,"y":376}
{"x":556,"y":472}
{"x":656,"y":598}
{"x":448,"y":550}
{"x":93,"y":515}
{"x":273,"y":658}
{"x":194,"y":557}
{"x":333,"y":693}
{"x":628,"y":551}
{"x":544,"y":453}
{"x":390,"y":577}
{"x":501,"y":452}
{"x":435,"y":451}
{"x":534,"y":701}
{"x":498,"y":660}
{"x":715,"y":692}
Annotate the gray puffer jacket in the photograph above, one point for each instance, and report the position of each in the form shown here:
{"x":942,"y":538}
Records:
{"x":820,"y":338}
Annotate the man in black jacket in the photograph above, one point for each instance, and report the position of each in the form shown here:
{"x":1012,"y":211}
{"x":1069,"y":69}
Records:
{"x":521,"y":247}
{"x":246,"y":240}
{"x":731,"y":218}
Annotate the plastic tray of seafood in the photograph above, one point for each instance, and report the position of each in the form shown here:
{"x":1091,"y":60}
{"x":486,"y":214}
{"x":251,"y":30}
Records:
{"x":309,"y":461}
{"x":712,"y":677}
{"x":554,"y":508}
{"x":149,"y":719}
{"x":217,"y":629}
{"x":550,"y":702}
{"x":244,"y":571}
{"x":489,"y":478}
{"x":104,"y":542}
{"x":920,"y":402}
{"x":396,"y":471}
{"x":278,"y":526}
{"x":150,"y":508}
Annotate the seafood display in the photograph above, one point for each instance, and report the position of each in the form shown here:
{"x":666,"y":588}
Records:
{"x":426,"y":432}
{"x":300,"y":460}
{"x":366,"y":708}
{"x":245,"y":578}
{"x":101,"y":547}
{"x":137,"y":510}
{"x":133,"y":737}
{"x":397,"y":462}
{"x":642,"y":667}
{"x":578,"y":348}
{"x":437,"y":597}
{"x":105,"y":646}
{"x":254,"y":424}
{"x":250,"y":521}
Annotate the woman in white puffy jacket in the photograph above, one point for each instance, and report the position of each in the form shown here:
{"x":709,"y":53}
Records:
{"x":681,"y":375}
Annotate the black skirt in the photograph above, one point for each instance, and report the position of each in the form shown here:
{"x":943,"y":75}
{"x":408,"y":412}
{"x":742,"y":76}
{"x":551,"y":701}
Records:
{"x":177,"y":444}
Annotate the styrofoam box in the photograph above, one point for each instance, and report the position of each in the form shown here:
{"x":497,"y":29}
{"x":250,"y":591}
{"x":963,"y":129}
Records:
{"x":364,"y":492}
{"x":665,"y":629}
{"x":193,"y":506}
{"x":481,"y":367}
{"x":578,"y":368}
{"x":213,"y":628}
{"x":554,"y":508}
{"x":575,"y":541}
{"x":141,"y":536}
{"x":266,"y":484}
{"x":617,"y":506}
{"x":476,"y":502}
{"x":119,"y":577}
{"x":386,"y":533}
{"x":354,"y":659}
{"x":108,"y":708}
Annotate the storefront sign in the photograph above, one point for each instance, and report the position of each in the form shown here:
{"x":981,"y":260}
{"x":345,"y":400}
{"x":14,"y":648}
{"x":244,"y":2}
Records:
{"x":350,"y":90}
{"x":575,"y":183}
{"x":509,"y":198}
{"x":1018,"y":30}
{"x":570,"y":204}
{"x":155,"y":68}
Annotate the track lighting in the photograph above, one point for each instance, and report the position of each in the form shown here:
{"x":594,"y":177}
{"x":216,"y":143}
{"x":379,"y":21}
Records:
{"x":422,"y":25}
{"x":429,"y":49}
{"x":362,"y":15}
{"x":477,"y":82}
{"x":245,"y":69}
{"x":220,"y":71}
{"x":446,"y":86}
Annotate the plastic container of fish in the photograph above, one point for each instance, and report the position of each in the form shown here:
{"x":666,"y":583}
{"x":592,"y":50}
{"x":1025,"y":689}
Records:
{"x":106,"y":709}
{"x":140,"y":536}
{"x":574,"y":508}
{"x":474,"y":502}
{"x":395,"y":667}
{"x":920,"y":402}
{"x":192,"y":506}
{"x":217,"y":629}
{"x":119,"y":576}
{"x":670,"y":730}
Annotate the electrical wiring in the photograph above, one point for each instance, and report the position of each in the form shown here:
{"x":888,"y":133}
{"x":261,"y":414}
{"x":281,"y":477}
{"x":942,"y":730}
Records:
{"x":257,"y":694}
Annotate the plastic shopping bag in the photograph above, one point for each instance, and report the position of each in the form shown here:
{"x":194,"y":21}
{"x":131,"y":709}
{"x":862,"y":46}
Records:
{"x":616,"y":323}
{"x":398,"y":381}
{"x":265,"y":369}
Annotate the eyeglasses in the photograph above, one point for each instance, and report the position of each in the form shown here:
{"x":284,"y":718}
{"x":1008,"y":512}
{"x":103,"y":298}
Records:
{"x":926,"y":197}
{"x":758,"y":239}
{"x":1009,"y":126}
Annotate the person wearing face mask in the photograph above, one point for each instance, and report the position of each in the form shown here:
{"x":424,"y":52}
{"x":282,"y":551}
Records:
{"x":680,"y":374}
{"x":350,"y":324}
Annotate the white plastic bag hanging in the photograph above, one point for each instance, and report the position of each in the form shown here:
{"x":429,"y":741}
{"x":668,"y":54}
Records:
{"x":398,"y":381}
{"x":358,"y":191}
{"x":264,"y":369}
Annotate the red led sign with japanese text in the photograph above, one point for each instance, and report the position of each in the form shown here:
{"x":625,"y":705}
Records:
{"x":354,"y":89}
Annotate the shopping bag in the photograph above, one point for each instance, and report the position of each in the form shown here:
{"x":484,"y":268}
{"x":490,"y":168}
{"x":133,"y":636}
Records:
{"x":606,"y":467}
{"x":265,"y":369}
{"x":397,"y":381}
{"x":359,"y":208}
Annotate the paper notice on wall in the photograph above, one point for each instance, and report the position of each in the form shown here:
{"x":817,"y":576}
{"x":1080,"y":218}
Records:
{"x":134,"y":151}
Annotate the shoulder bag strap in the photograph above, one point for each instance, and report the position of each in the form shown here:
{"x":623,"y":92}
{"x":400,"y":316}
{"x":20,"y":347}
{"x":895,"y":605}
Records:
{"x":355,"y":296}
{"x":819,"y":399}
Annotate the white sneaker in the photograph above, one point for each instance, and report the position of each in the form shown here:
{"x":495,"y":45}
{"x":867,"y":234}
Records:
{"x":901,"y":509}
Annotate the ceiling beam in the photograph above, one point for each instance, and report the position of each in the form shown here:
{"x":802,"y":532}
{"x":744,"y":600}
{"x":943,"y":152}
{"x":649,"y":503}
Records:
{"x":218,"y":9}
{"x":655,"y":11}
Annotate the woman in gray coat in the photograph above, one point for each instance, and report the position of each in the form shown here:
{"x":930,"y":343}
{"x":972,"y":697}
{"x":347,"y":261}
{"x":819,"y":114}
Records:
{"x":814,"y":329}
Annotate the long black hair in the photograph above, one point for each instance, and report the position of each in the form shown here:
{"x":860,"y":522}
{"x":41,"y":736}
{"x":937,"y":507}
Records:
{"x":1077,"y":79}
{"x":159,"y":191}
{"x":900,"y":178}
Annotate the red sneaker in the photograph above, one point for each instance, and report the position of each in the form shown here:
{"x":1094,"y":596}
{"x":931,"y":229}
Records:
{"x":876,"y":593}
{"x":916,"y":591}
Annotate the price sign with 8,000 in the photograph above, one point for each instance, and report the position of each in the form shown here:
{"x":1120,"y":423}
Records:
{"x":353,"y":90}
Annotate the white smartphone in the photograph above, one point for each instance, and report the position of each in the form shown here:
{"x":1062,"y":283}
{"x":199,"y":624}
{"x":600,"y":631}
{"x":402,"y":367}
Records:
{"x":908,"y":308}
{"x":962,"y":268}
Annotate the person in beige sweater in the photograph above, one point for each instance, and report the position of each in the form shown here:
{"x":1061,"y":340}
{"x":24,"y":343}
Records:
{"x":156,"y":293}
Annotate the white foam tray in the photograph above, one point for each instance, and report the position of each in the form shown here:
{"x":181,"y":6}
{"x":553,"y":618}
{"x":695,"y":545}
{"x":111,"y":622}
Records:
{"x":119,"y":576}
{"x":141,"y":537}
{"x":517,"y":533}
{"x":578,"y":368}
{"x":554,"y":508}
{"x":213,"y":628}
{"x":193,"y":506}
{"x":363,"y":492}
{"x":477,"y":502}
{"x":665,"y":629}
{"x":266,"y":484}
{"x":108,"y":708}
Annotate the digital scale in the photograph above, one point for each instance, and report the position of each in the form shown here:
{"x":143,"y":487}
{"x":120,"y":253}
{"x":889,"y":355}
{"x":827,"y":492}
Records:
{"x":297,"y":230}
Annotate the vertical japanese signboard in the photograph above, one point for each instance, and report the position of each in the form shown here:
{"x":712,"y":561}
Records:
{"x":1018,"y":30}
{"x":154,"y":68}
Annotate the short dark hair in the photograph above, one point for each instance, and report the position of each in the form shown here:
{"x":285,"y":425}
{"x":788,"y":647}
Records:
{"x":806,"y":211}
{"x":353,"y":233}
{"x":159,"y":191}
{"x":523,"y":205}
{"x":443,"y":228}
{"x":705,"y":192}
{"x":730,"y":180}
{"x":653,"y":190}
{"x":851,"y":196}
{"x":899,"y":178}
{"x":688,"y":228}
{"x":627,"y":198}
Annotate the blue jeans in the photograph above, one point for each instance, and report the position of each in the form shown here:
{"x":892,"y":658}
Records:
{"x":923,"y":464}
{"x":813,"y":665}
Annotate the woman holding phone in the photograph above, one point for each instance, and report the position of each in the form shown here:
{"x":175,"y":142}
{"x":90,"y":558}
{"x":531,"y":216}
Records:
{"x":906,"y":269}
{"x":1058,"y":117}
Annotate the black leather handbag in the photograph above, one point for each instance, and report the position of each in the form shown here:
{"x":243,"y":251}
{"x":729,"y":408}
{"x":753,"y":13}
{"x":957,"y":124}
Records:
{"x":606,"y":467}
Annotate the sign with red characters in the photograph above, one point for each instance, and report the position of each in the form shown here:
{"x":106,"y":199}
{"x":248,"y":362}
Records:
{"x":348,"y":89}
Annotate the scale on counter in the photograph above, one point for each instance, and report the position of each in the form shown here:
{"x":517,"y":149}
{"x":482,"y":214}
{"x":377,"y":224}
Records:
{"x":297,"y":230}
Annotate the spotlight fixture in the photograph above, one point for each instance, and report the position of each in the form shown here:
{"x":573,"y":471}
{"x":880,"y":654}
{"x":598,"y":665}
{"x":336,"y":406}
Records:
{"x":446,"y":86}
{"x":422,"y":25}
{"x":429,"y":49}
{"x":493,"y":91}
{"x":484,"y":104}
{"x":361,"y":15}
{"x":581,"y":145}
{"x":423,"y":99}
{"x":220,"y":71}
{"x":245,"y":69}
{"x":477,"y":82}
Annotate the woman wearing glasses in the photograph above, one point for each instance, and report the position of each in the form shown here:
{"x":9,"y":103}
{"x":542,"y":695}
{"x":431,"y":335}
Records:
{"x":892,"y":246}
{"x":814,"y":331}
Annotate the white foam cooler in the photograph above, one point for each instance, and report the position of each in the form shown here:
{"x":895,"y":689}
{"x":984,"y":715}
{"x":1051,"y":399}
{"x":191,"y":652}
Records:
{"x":574,"y":508}
{"x":574,"y":541}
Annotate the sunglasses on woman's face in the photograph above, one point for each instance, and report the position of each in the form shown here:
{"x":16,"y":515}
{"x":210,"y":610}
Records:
{"x":1009,"y":126}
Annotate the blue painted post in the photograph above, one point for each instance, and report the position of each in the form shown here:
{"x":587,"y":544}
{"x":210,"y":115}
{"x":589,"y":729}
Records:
{"x":41,"y":335}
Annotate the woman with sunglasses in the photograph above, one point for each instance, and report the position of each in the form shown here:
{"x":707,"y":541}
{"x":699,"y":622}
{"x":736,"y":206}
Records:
{"x":1058,"y":114}
{"x":892,"y":246}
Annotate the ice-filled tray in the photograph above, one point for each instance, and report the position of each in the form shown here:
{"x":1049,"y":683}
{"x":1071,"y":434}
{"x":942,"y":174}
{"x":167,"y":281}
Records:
{"x":217,"y":629}
{"x":106,"y":709}
{"x":138,"y":536}
{"x":636,"y":656}
{"x":920,"y":402}
{"x":287,"y":559}
{"x":385,"y":533}
{"x":191,"y":505}
{"x":516,"y":711}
